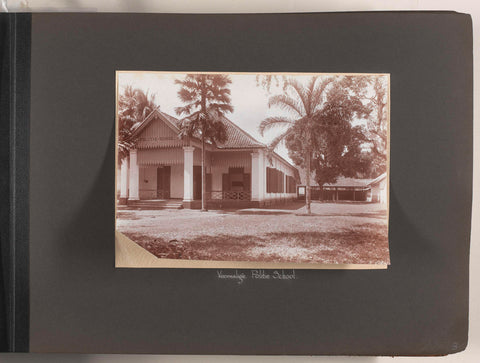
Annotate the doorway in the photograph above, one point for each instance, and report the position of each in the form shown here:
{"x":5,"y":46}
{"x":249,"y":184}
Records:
{"x":197,"y":182}
{"x":163,"y":182}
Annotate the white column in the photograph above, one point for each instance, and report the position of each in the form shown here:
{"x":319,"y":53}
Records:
{"x":134,"y":176}
{"x":188,"y":173}
{"x":124,"y":180}
{"x":256,"y":181}
{"x":262,"y":173}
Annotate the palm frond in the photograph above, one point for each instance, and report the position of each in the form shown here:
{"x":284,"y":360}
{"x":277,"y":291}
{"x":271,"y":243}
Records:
{"x":318,"y":94}
{"x":187,"y":109}
{"x":186,"y":94}
{"x":220,"y":107}
{"x":277,"y":140}
{"x":216,"y":132}
{"x":299,"y":90}
{"x":309,"y":91}
{"x":133,"y":106}
{"x":287,"y":103}
{"x":206,"y":98}
{"x":272,"y":122}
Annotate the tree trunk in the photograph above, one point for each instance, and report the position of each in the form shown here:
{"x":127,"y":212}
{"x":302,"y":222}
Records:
{"x":204,"y":202}
{"x":307,"y":192}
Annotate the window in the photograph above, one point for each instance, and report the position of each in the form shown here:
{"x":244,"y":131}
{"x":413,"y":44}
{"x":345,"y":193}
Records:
{"x":236,"y":180}
{"x":275,"y":181}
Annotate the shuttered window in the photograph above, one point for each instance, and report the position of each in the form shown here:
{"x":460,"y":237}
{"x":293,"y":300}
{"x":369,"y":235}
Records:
{"x":275,"y":181}
{"x":236,"y":180}
{"x":247,"y":182}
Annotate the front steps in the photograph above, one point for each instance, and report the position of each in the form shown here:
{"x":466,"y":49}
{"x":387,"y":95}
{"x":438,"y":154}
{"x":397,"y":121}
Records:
{"x":156,"y":204}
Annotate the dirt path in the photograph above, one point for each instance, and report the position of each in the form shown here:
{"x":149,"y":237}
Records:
{"x":336,"y":233}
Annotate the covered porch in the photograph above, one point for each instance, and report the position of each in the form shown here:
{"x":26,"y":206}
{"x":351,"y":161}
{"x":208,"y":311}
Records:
{"x":175,"y":173}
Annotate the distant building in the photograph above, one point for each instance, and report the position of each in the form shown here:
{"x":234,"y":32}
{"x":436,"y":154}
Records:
{"x":238,"y":172}
{"x":346,"y":189}
{"x":378,"y":189}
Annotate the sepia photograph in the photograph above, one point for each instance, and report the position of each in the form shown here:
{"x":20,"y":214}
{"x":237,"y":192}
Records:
{"x":252,"y":169}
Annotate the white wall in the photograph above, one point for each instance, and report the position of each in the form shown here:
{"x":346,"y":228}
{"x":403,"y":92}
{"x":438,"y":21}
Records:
{"x":147,"y":183}
{"x":117,"y":179}
{"x":379,"y":192}
{"x":383,"y":191}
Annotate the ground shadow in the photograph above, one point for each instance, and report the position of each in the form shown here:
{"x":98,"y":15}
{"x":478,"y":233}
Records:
{"x":369,"y":244}
{"x":262,"y":212}
{"x":377,"y":215}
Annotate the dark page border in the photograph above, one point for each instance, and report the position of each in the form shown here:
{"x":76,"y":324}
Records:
{"x":81,"y":303}
{"x":14,"y":180}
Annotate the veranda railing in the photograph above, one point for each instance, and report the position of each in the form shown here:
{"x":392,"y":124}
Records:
{"x":228,"y":195}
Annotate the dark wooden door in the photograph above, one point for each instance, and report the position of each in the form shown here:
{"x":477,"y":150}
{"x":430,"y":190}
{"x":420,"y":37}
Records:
{"x":208,"y":187}
{"x":247,"y":181}
{"x":163,"y":182}
{"x":197,"y":182}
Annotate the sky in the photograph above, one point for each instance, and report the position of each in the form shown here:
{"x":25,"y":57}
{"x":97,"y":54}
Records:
{"x":250,"y":101}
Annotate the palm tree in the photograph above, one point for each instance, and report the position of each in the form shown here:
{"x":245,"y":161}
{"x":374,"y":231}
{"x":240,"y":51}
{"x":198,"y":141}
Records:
{"x":207,"y":99}
{"x":302,"y":104}
{"x":133,"y":106}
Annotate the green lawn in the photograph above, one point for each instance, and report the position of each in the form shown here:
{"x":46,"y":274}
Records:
{"x":335,"y":233}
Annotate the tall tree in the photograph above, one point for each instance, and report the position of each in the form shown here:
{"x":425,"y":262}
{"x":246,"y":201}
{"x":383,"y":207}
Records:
{"x":373,"y":92}
{"x":377,"y":125}
{"x":207,"y":99}
{"x":338,"y":143}
{"x":133,"y":106}
{"x":302,"y":104}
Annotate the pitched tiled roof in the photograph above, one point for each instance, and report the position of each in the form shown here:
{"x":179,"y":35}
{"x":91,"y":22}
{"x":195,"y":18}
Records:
{"x":349,"y":182}
{"x":237,"y":138}
{"x":378,"y":179}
